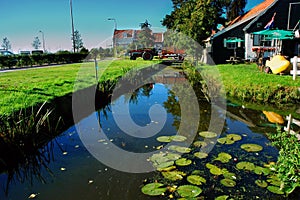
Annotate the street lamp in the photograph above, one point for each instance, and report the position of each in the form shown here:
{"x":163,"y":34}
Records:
{"x":113,"y":19}
{"x":43,"y":40}
{"x":72,"y":21}
{"x":114,"y":39}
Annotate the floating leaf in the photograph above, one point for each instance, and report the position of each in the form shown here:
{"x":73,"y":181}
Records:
{"x":275,"y":189}
{"x":164,"y":139}
{"x":173,"y":156}
{"x":223,"y":157}
{"x":228,"y":182}
{"x":159,"y":158}
{"x":274,"y":180}
{"x":223,"y":197}
{"x":234,"y":137}
{"x":261,"y":183}
{"x":164,"y":165}
{"x":183,"y":162}
{"x":200,"y":144}
{"x":154,"y":189}
{"x":229,"y":139}
{"x":251,"y":147}
{"x":210,"y":166}
{"x":166,"y":169}
{"x":208,"y":134}
{"x":174,"y":175}
{"x":200,"y":155}
{"x":178,"y":138}
{"x":245,"y":166}
{"x":179,"y":149}
{"x":216,"y":171}
{"x":229,"y":175}
{"x":261,"y":170}
{"x":189,"y":191}
{"x":196,"y":180}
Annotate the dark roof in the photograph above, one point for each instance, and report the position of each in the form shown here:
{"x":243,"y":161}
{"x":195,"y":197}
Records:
{"x":255,"y":12}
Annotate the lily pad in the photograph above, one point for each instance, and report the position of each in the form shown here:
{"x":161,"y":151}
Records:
{"x":196,"y":180}
{"x":178,"y":138}
{"x":173,"y":156}
{"x":223,"y":197}
{"x":210,"y":166}
{"x":164,"y":165}
{"x":274,"y":180}
{"x":154,"y":189}
{"x":189,"y":191}
{"x":275,"y":189}
{"x":261,"y":170}
{"x":223,"y":157}
{"x":216,"y":171}
{"x":174,"y":175}
{"x":166,"y":169}
{"x":251,"y":147}
{"x":164,"y":139}
{"x":261,"y":183}
{"x":200,"y":155}
{"x":229,"y":139}
{"x":245,"y":166}
{"x":179,"y":149}
{"x":183,"y":162}
{"x":229,"y":175}
{"x":208,"y":134}
{"x":228,"y":182}
{"x":200,"y":144}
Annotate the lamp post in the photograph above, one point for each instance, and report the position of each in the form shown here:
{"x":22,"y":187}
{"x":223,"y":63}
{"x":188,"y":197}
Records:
{"x":73,"y":35}
{"x":43,"y":36}
{"x":114,"y":38}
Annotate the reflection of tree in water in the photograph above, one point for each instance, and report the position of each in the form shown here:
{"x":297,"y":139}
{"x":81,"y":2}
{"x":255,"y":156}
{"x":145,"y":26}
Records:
{"x":145,"y":90}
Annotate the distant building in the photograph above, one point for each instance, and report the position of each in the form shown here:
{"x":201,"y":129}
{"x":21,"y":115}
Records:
{"x":123,"y":38}
{"x":286,"y":18}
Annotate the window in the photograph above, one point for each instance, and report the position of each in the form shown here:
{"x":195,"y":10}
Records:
{"x":124,"y":35}
{"x":259,"y":40}
{"x":230,"y":45}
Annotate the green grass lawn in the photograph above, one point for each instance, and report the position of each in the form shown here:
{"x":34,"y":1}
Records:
{"x":247,"y":82}
{"x":22,"y":89}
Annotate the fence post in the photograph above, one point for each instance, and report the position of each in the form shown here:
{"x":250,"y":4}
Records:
{"x":295,"y":67}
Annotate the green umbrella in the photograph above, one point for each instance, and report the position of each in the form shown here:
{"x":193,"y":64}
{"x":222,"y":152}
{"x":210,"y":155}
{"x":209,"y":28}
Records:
{"x":234,"y":40}
{"x":276,"y":34}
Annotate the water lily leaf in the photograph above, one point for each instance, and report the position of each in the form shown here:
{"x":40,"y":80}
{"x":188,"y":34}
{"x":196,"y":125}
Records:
{"x":223,"y":157}
{"x":200,"y":155}
{"x":174,"y":175}
{"x":183,"y":162}
{"x":178,"y":138}
{"x":179,"y":149}
{"x":164,"y":165}
{"x":159,"y":158}
{"x":200,"y":144}
{"x":216,"y":171}
{"x":223,"y":197}
{"x":251,"y":147}
{"x":245,"y":166}
{"x":173,"y":156}
{"x":154,"y":189}
{"x":234,"y":137}
{"x":275,"y":189}
{"x":164,"y":139}
{"x":166,"y":169}
{"x":261,"y":170}
{"x":274,"y":180}
{"x":229,"y":175}
{"x":261,"y":183}
{"x":208,"y":134}
{"x":210,"y":166}
{"x":196,"y":180}
{"x":189,"y":191}
{"x":228,"y":182}
{"x":223,"y":140}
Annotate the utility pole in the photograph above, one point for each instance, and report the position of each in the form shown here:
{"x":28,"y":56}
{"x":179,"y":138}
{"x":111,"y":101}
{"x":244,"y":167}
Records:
{"x":72,"y":21}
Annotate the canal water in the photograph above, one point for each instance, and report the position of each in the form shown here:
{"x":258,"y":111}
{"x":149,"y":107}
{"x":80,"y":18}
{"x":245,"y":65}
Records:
{"x":107,"y":154}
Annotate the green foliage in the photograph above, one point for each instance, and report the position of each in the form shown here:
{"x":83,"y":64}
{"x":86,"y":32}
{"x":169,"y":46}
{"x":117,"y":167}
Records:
{"x":288,"y":164}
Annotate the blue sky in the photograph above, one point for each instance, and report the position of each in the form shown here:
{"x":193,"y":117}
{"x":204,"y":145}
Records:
{"x":21,"y":20}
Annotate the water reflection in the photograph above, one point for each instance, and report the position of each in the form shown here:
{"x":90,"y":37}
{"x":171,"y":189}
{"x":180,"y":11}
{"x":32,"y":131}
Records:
{"x":39,"y":170}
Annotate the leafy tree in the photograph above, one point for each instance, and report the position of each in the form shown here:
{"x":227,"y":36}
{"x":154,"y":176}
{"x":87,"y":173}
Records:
{"x":36,"y":44}
{"x":235,"y":8}
{"x":145,"y":37}
{"x":77,"y":40}
{"x":6,"y":44}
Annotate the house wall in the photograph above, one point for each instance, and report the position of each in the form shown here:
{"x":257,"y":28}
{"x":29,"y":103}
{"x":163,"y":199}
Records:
{"x":220,"y":53}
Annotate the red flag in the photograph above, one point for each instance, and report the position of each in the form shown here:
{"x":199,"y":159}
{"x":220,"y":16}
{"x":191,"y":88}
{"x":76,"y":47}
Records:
{"x":270,"y":23}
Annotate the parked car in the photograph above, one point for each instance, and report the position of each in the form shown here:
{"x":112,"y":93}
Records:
{"x":6,"y":53}
{"x":7,"y":59}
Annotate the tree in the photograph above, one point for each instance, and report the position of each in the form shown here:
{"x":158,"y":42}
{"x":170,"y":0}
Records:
{"x":6,"y":44}
{"x":235,"y":8}
{"x":36,"y":44}
{"x":77,"y":41}
{"x":145,"y":37}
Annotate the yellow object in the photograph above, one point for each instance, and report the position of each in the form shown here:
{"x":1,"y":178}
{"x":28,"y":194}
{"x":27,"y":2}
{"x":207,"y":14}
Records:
{"x":278,"y":64}
{"x":274,"y":117}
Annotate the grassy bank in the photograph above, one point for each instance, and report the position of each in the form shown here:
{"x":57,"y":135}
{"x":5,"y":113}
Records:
{"x":26,"y":88}
{"x":246,"y":83}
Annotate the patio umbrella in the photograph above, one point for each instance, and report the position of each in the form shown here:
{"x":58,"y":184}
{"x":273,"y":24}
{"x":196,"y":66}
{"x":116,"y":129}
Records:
{"x":234,"y":41}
